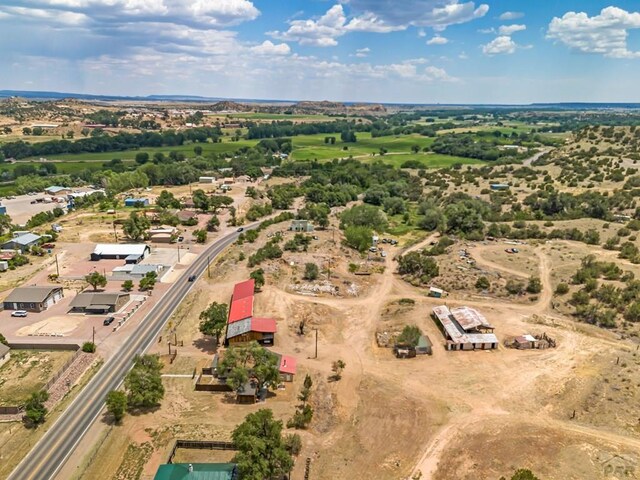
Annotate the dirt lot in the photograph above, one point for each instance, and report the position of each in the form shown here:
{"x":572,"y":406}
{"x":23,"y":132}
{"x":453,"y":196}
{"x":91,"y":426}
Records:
{"x":28,"y":371}
{"x":443,"y":412}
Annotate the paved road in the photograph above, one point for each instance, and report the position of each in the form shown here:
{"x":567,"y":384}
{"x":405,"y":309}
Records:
{"x":54,"y":448}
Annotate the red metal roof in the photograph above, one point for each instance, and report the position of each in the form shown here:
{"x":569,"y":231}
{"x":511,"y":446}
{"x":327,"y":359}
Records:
{"x":288,"y":364}
{"x":241,"y":309}
{"x":263,"y":325}
{"x":243,"y":290}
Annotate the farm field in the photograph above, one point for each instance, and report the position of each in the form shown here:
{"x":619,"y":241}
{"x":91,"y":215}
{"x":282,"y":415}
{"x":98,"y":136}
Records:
{"x":305,"y":147}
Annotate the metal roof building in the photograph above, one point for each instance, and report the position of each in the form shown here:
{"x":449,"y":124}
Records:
{"x":243,"y":290}
{"x":467,"y":335}
{"x":99,"y":302}
{"x":119,"y":251}
{"x":197,"y":471}
{"x":33,"y":299}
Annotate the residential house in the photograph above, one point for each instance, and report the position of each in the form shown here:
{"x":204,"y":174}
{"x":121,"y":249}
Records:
{"x":57,"y":191}
{"x":23,"y":242}
{"x":301,"y":226}
{"x":197,"y":471}
{"x":288,"y":367}
{"x":33,"y":298}
{"x":163,"y":234}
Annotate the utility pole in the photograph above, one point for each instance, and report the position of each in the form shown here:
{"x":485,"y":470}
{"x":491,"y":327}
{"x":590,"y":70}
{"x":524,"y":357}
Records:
{"x":57,"y":266}
{"x":178,"y":253}
{"x":208,"y":265}
{"x":115,"y":232}
{"x":316,"y":343}
{"x":93,"y":336}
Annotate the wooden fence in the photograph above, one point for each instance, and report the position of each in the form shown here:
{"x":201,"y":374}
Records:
{"x":214,"y":386}
{"x":200,"y":445}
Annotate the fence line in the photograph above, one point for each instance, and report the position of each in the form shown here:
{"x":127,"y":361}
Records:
{"x":200,"y":445}
{"x":62,"y":370}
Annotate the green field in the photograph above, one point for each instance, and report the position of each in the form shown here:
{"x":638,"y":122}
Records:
{"x":311,"y":147}
{"x":279,"y":116}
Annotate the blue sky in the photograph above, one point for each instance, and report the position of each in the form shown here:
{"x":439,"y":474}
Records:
{"x":410,"y":51}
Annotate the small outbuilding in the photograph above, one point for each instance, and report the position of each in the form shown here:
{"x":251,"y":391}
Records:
{"x":163,"y":235}
{"x":436,"y":292}
{"x":499,"y":187}
{"x":525,"y":342}
{"x":99,"y":302}
{"x":33,"y":299}
{"x":288,"y":367}
{"x":136,"y":202}
{"x":247,"y":394}
{"x":5,"y":353}
{"x":424,"y":346}
{"x":207,"y":180}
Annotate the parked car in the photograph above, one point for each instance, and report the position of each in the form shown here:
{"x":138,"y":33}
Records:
{"x":19,"y":313}
{"x":48,"y":245}
{"x":108,"y":321}
{"x":241,"y":229}
{"x":192,"y":278}
{"x":373,"y":249}
{"x":180,"y":238}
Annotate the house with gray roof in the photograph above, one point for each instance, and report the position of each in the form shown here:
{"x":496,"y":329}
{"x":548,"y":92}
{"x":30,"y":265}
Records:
{"x":99,"y":302}
{"x":22,"y":242}
{"x":33,"y":298}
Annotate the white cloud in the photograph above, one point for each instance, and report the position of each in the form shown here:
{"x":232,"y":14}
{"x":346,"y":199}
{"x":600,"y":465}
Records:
{"x":363,"y":52}
{"x":437,"y":40}
{"x":218,"y":13}
{"x":422,"y":33}
{"x":438,"y":14}
{"x":511,"y":16}
{"x":604,"y":34}
{"x":379,"y":16}
{"x":269,"y":48}
{"x":463,"y":56}
{"x":499,"y":46}
{"x":324,"y":31}
{"x":511,"y":29}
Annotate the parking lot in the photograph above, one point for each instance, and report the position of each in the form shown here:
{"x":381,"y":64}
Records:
{"x":20,"y":208}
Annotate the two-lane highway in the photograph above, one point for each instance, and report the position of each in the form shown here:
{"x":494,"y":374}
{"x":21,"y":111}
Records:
{"x":49,"y":455}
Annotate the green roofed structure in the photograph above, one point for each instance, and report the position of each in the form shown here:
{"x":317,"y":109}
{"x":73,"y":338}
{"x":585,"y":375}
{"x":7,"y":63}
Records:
{"x":197,"y":471}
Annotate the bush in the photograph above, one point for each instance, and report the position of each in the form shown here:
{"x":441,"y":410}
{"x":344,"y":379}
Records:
{"x":483,"y":283}
{"x":35,"y":411}
{"x":293,"y":443}
{"x":534,"y":285}
{"x":562,"y":289}
{"x":311,"y":271}
{"x":89,"y":347}
{"x":514,"y":287}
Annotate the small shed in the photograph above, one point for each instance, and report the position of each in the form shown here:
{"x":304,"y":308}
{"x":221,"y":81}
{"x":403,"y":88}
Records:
{"x":499,"y":187}
{"x":208,"y":180}
{"x":424,"y":346}
{"x":436,"y":292}
{"x":525,"y":342}
{"x":288,"y":368}
{"x":247,"y":394}
{"x":136,"y":202}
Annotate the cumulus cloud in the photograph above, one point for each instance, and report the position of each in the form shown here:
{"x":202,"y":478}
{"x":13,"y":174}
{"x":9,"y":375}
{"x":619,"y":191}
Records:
{"x":509,"y":30}
{"x":324,"y":31}
{"x":363,"y":52}
{"x":379,"y":16}
{"x":438,"y":14}
{"x":218,"y":13}
{"x":269,"y":48}
{"x":499,"y":46}
{"x":438,"y":40}
{"x":511,"y":16}
{"x":604,"y":34}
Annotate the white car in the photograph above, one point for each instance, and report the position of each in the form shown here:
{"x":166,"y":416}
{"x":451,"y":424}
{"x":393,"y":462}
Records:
{"x":19,"y":313}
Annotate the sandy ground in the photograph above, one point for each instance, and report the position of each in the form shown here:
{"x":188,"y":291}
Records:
{"x":443,"y":412}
